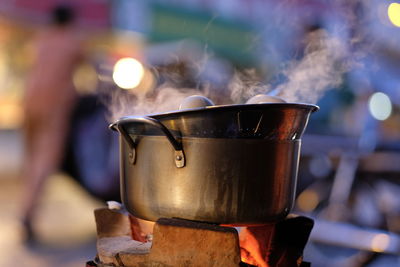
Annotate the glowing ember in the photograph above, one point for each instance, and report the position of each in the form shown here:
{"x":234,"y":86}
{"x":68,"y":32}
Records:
{"x":254,"y":244}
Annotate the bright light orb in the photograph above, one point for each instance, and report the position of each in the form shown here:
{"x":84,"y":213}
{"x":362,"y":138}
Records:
{"x":394,"y":14}
{"x":128,"y":73}
{"x":380,"y":242}
{"x":380,"y":106}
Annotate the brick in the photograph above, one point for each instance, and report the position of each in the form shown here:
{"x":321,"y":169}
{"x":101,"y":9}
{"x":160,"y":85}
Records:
{"x":181,"y":243}
{"x":111,"y":223}
{"x":122,"y":251}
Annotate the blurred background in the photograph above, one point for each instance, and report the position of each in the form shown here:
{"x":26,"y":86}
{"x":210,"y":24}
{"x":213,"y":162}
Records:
{"x":341,"y":55}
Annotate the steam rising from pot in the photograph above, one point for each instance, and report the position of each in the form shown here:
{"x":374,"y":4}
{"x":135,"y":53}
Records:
{"x":321,"y":68}
{"x":325,"y":60}
{"x":245,"y":85}
{"x":165,"y":99}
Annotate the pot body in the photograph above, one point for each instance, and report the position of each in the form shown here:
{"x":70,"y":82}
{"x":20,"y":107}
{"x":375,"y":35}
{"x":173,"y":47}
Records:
{"x":230,"y":181}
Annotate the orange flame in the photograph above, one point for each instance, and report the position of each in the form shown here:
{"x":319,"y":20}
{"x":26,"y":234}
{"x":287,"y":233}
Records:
{"x":140,"y":229}
{"x":255,"y":243}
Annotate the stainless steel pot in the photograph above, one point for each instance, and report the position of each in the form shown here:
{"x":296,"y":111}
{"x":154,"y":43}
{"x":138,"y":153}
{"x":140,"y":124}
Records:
{"x":232,"y":164}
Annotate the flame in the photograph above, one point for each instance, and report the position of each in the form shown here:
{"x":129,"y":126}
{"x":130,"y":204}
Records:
{"x":254,"y":244}
{"x":140,"y":229}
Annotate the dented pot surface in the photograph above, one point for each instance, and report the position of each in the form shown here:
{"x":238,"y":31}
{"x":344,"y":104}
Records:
{"x":226,"y":164}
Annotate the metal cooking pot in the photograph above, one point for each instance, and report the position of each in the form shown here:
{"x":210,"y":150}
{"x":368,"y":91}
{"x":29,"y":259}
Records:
{"x":234,"y":164}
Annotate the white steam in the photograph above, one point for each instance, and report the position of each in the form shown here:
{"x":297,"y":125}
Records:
{"x":165,"y":99}
{"x":245,"y":85}
{"x":325,"y":61}
{"x":321,"y":68}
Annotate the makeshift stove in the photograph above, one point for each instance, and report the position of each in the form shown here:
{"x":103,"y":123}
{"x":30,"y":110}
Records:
{"x":124,"y":241}
{"x":230,"y":164}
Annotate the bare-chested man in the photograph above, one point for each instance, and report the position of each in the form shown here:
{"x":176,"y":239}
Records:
{"x":48,"y":103}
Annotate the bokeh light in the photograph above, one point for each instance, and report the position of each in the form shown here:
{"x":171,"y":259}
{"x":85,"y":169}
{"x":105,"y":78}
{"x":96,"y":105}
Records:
{"x":380,"y":242}
{"x":380,"y":106}
{"x":85,"y":79}
{"x":394,"y":14}
{"x":11,"y":115}
{"x":308,"y":200}
{"x":128,"y":73}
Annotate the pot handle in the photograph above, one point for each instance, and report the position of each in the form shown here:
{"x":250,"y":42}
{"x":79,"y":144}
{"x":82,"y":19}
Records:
{"x":119,"y":126}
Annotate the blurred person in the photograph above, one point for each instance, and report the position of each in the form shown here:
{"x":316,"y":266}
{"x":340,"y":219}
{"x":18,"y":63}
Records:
{"x":49,"y":100}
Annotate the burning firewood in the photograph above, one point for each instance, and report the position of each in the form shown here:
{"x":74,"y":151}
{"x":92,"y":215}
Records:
{"x":276,"y":245}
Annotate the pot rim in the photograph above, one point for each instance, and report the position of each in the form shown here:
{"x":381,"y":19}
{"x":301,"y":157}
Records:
{"x":306,"y":106}
{"x":239,"y":107}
